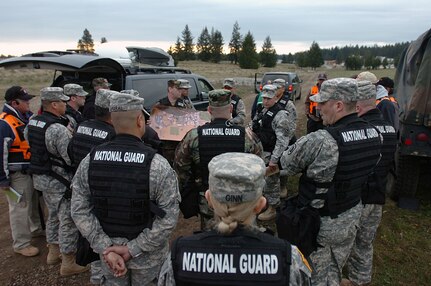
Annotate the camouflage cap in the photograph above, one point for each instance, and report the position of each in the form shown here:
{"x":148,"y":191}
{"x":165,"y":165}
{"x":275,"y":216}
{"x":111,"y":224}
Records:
{"x":279,"y":83}
{"x":268,"y":90}
{"x":366,"y":90}
{"x":103,"y":97}
{"x":130,"y":91}
{"x":344,"y":89}
{"x":236,"y":177}
{"x":184,"y":84}
{"x":100,"y":81}
{"x":125,"y":102}
{"x":229,"y":82}
{"x":74,"y":89}
{"x":322,"y":76}
{"x":366,"y":75}
{"x":53,"y":94}
{"x":219,"y":97}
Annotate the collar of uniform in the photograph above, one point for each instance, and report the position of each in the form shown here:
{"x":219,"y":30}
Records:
{"x":126,"y":137}
{"x":346,"y":119}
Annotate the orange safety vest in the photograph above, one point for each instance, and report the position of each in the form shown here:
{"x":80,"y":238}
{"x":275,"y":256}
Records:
{"x":19,"y":145}
{"x":391,"y":98}
{"x":314,"y":90}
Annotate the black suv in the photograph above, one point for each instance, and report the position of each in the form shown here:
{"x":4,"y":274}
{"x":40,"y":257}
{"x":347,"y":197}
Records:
{"x":150,"y":81}
{"x":293,"y":83}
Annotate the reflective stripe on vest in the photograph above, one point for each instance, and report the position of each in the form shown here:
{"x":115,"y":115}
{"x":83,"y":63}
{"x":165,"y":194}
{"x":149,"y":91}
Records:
{"x":19,"y":149}
{"x":313,"y":105}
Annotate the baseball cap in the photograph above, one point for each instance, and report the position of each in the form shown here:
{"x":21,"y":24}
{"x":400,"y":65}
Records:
{"x":322,"y":76}
{"x":17,"y":92}
{"x":366,"y":75}
{"x":386,"y":82}
{"x":268,"y":90}
{"x":366,"y":90}
{"x":53,"y":94}
{"x":103,"y":97}
{"x":236,"y":177}
{"x":344,"y":89}
{"x":184,"y":84}
{"x":74,"y":89}
{"x":219,"y":97}
{"x":136,"y":93}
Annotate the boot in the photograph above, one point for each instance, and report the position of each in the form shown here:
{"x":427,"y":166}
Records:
{"x":269,"y":214}
{"x":53,"y":256}
{"x":28,"y":251}
{"x":69,"y":266}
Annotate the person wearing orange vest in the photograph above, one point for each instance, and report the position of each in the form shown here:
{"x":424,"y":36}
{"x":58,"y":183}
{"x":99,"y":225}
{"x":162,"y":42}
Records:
{"x":23,"y":215}
{"x":314,"y":121}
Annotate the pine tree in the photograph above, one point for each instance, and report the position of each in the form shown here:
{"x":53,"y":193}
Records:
{"x":216,"y":46}
{"x":86,"y":43}
{"x":203,"y":45}
{"x":178,"y":51}
{"x":187,"y":39}
{"x":268,"y":55}
{"x":235,"y":43}
{"x":248,"y":58}
{"x":315,"y":58}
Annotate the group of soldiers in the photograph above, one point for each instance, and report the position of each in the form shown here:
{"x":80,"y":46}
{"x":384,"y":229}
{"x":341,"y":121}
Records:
{"x":102,"y":180}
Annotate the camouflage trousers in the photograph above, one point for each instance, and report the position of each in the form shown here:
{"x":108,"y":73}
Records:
{"x":360,"y":262}
{"x":60,"y":228}
{"x":142,"y":270}
{"x":205,"y":212}
{"x":271,"y":190}
{"x":336,"y":237}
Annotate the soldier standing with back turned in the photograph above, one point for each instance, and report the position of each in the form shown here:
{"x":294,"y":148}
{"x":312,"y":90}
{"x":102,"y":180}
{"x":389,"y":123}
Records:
{"x":335,"y":163}
{"x":125,"y":198}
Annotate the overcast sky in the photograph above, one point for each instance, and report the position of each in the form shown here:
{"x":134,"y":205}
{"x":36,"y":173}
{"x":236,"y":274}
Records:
{"x":29,"y":26}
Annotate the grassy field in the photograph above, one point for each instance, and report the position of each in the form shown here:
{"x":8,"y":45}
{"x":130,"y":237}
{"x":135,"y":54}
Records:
{"x":403,"y":242}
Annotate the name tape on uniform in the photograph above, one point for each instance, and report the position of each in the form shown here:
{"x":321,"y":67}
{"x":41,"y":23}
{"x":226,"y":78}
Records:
{"x":94,"y":132}
{"x":118,"y":156}
{"x":221,"y":131}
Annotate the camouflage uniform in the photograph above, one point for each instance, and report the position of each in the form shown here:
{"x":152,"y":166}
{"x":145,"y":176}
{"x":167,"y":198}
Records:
{"x":150,"y":248}
{"x":317,"y":154}
{"x":187,"y":159}
{"x":239,"y":119}
{"x":284,"y":129}
{"x":60,"y":228}
{"x":226,"y":171}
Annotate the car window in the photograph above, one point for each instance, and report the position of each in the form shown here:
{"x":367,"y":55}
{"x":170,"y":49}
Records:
{"x":151,"y":89}
{"x":206,"y":88}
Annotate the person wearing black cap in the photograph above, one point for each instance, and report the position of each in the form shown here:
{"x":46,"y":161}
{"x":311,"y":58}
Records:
{"x":23,"y":216}
{"x":314,"y":121}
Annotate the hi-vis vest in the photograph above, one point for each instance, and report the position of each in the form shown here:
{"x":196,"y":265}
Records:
{"x":19,"y":151}
{"x":391,"y":98}
{"x":242,"y":258}
{"x":314,"y":90}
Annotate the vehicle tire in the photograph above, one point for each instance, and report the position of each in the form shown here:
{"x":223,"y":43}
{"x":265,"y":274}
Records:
{"x":408,"y":172}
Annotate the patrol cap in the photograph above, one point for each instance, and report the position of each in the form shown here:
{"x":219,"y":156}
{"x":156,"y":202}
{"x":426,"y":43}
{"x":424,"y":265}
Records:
{"x":322,"y":76}
{"x":366,"y":90}
{"x":268,"y":90}
{"x":136,"y":93}
{"x":219,"y":97}
{"x":125,"y":102}
{"x":53,"y":94}
{"x":344,"y":89}
{"x":366,"y":75}
{"x":100,"y":81}
{"x":184,"y":84}
{"x":17,"y":92}
{"x":229,"y":82}
{"x":103,"y":97}
{"x":279,"y":83}
{"x":236,"y":177}
{"x":74,"y":89}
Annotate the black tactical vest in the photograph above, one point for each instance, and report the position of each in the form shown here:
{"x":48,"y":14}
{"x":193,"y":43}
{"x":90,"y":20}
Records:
{"x":359,"y":149}
{"x":41,"y":160}
{"x":119,"y":180}
{"x":264,"y":129}
{"x":234,"y":99}
{"x":215,"y":138}
{"x":89,"y":134}
{"x":242,"y":258}
{"x":375,"y":190}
